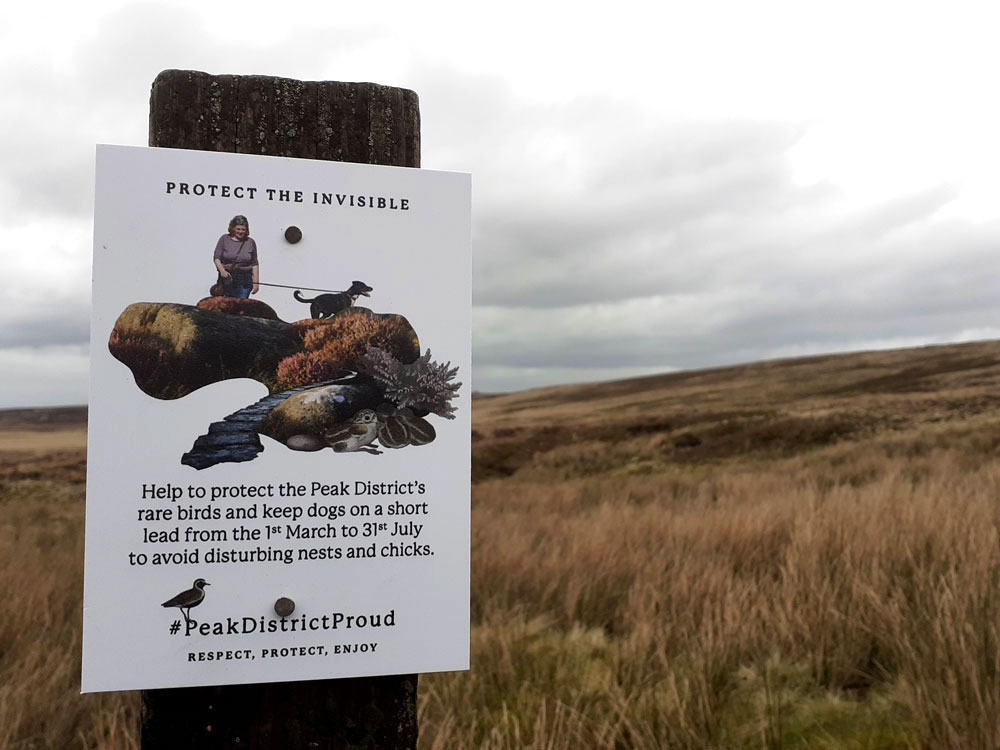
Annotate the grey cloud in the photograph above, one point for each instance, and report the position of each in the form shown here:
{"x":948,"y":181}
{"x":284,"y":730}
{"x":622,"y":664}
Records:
{"x":941,"y":291}
{"x":48,"y":376}
{"x":47,"y":155}
{"x":604,"y":238}
{"x":627,"y":258}
{"x":54,"y":117}
{"x":654,"y":211}
{"x":638,"y":219}
{"x":61,"y":323}
{"x":689,"y":216}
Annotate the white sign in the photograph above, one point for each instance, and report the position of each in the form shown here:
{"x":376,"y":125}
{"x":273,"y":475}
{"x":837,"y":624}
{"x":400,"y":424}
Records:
{"x":309,"y":444}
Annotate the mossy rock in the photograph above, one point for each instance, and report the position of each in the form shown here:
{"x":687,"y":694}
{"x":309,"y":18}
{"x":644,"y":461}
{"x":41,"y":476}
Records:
{"x":172,"y":349}
{"x":316,"y":410}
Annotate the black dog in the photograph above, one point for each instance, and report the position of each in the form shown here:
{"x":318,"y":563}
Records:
{"x":328,"y":305}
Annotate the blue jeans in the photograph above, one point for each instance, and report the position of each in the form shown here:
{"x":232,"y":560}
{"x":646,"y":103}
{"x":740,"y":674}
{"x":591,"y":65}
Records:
{"x":239,"y":284}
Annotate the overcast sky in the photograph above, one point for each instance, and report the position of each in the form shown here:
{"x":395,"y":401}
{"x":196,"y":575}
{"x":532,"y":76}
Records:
{"x":655,"y":186}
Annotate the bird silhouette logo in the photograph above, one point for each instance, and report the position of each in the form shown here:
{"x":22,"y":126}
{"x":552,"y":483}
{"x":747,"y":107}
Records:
{"x":192,"y":597}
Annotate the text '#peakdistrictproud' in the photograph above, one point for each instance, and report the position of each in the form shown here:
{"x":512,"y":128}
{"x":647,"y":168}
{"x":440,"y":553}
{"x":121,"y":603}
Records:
{"x":297,"y":624}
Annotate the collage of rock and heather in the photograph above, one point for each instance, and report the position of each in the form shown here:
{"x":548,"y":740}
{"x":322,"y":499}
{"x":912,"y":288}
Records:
{"x":354,"y":381}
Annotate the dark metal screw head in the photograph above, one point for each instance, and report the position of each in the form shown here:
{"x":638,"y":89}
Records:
{"x":284,"y":606}
{"x":293,"y":234}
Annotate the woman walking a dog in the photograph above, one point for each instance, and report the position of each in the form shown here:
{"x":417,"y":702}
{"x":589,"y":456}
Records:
{"x":236,"y":258}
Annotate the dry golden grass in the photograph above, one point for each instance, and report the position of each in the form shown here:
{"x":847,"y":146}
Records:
{"x":33,"y":442}
{"x":41,"y":556}
{"x":654,"y":611}
{"x":784,"y":555}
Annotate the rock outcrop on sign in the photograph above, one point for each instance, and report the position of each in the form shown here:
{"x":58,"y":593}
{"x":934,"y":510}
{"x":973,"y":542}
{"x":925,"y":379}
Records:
{"x":303,"y":418}
{"x":356,"y":381}
{"x":174,"y":349}
{"x":236,"y":438}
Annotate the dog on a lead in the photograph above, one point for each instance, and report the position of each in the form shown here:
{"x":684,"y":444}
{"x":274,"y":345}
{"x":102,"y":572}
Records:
{"x":328,"y":305}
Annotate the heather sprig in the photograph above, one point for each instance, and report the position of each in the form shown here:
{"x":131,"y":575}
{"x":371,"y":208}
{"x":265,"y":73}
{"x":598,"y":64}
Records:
{"x":422,"y":384}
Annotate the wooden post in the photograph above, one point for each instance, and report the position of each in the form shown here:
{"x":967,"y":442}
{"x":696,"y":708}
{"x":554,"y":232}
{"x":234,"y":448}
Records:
{"x":358,"y":122}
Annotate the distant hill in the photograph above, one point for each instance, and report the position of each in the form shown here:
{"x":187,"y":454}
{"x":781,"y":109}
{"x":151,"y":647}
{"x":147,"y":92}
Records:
{"x":758,"y":411}
{"x":43,"y":418}
{"x":761,"y":410}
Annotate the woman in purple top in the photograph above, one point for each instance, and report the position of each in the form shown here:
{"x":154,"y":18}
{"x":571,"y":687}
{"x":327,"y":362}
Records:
{"x":236,"y":259}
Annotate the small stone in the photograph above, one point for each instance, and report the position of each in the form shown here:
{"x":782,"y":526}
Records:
{"x":421,"y":431}
{"x":305,"y":443}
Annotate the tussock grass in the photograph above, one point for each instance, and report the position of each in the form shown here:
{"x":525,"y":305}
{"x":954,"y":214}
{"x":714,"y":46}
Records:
{"x":820,"y":569}
{"x":749,"y":609}
{"x":41,"y":556}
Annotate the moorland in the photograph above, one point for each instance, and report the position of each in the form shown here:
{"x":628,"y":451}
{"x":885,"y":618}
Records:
{"x":801,"y":553}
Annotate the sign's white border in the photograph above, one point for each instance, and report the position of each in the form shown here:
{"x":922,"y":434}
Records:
{"x":387,"y":614}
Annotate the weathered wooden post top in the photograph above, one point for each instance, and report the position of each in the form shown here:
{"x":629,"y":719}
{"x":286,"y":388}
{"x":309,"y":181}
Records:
{"x":354,"y":122}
